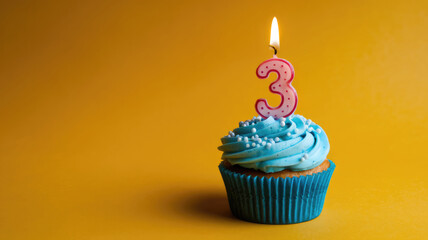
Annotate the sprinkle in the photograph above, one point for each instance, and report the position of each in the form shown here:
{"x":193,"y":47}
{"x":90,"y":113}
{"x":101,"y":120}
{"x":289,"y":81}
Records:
{"x":258,"y":145}
{"x":302,"y":159}
{"x":271,"y":141}
{"x":310,"y":129}
{"x":245,"y":139}
{"x":228,"y":136}
{"x":288,"y":134}
{"x":253,"y":144}
{"x":309,"y":121}
{"x":305,"y":155}
{"x":277,"y":139}
{"x":231,"y":133}
{"x":259,"y":118}
{"x":263,"y":143}
{"x":318,"y":130}
{"x":265,"y":138}
{"x":256,"y":136}
{"x":253,"y":130}
{"x":282,"y":119}
{"x":247,"y":145}
{"x":239,"y":139}
{"x":282,"y":124}
{"x":252,"y":123}
{"x":269,"y":145}
{"x":259,"y":140}
{"x":252,"y":137}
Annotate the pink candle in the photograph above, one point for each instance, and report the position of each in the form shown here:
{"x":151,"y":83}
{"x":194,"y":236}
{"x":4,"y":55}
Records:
{"x":281,"y":86}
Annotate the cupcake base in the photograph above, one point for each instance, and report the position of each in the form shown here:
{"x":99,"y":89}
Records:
{"x":276,"y":200}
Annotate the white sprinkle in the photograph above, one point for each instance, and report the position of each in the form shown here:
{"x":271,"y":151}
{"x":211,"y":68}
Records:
{"x":259,"y":118}
{"x":282,"y":119}
{"x":252,"y":123}
{"x":253,"y":144}
{"x":277,"y":139}
{"x":269,"y":145}
{"x":259,"y":140}
{"x":302,"y":159}
{"x":253,"y":130}
{"x":239,"y":139}
{"x":248,"y":145}
{"x":245,"y":139}
{"x":309,"y":121}
{"x":231,"y":133}
{"x":305,"y":155}
{"x":228,"y":135}
{"x":263,"y":143}
{"x":282,"y":124}
{"x":256,"y":136}
{"x":258,"y":145}
{"x":272,"y":141}
{"x":310,"y":129}
{"x":318,"y":130}
{"x":252,"y":137}
{"x":265,"y":138}
{"x":288,"y":134}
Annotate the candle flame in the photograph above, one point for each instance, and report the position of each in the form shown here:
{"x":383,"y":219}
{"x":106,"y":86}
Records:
{"x":274,"y":34}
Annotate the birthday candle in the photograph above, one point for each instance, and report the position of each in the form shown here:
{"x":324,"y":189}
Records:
{"x":282,"y":85}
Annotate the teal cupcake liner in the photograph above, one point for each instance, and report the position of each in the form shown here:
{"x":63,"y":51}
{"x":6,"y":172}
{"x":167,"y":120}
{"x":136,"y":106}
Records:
{"x":276,"y":200}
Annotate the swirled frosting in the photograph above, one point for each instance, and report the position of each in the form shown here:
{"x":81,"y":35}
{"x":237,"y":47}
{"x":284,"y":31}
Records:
{"x":272,"y":145}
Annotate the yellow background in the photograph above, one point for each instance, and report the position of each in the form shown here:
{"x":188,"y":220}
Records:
{"x":111,"y":112}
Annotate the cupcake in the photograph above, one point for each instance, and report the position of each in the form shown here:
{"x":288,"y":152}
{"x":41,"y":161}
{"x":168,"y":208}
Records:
{"x":276,"y":171}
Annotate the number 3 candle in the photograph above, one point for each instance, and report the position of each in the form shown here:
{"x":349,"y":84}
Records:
{"x":282,"y":85}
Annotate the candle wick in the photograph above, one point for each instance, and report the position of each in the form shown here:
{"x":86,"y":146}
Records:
{"x":274,"y":49}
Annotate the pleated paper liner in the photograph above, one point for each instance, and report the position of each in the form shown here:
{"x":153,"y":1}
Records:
{"x":276,"y":200}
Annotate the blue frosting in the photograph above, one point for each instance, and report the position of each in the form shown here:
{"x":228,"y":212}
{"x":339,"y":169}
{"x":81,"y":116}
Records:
{"x":272,"y":145}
